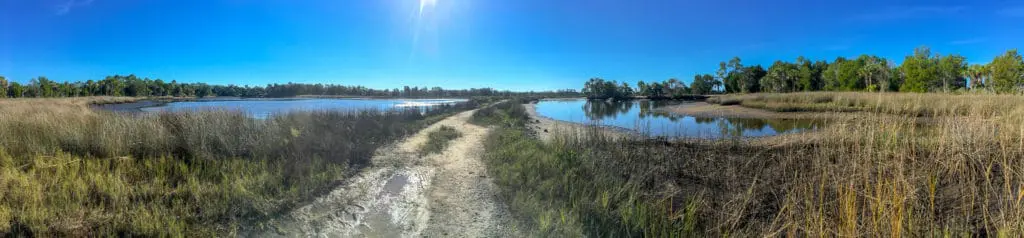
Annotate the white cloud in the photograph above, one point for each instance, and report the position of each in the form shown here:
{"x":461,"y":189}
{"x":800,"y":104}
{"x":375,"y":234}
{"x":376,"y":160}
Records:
{"x":65,"y":8}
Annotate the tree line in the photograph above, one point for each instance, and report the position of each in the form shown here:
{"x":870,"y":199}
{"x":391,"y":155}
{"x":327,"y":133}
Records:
{"x":921,"y":71}
{"x":134,"y":86}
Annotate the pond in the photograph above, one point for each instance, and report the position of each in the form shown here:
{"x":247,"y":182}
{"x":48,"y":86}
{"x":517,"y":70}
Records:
{"x":643,"y":116}
{"x":261,"y":108}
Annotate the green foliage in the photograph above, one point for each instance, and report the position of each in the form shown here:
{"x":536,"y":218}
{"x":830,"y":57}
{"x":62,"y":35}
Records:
{"x":978,"y":74}
{"x":1007,"y":72}
{"x":782,"y":77}
{"x":703,"y":84}
{"x":3,"y":87}
{"x":438,"y":140}
{"x":133,"y":86}
{"x":597,"y":88}
{"x":918,"y":71}
{"x":809,"y":74}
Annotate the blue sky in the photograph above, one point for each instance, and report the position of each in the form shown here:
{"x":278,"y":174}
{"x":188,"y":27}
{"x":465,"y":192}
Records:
{"x":505,"y":44}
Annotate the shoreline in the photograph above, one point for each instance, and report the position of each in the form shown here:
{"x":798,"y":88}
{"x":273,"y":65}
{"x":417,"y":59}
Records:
{"x":704,"y":109}
{"x":545,"y":127}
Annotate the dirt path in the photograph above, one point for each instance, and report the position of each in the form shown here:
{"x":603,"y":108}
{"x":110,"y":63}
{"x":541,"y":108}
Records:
{"x":463,"y":199}
{"x":405,"y":195}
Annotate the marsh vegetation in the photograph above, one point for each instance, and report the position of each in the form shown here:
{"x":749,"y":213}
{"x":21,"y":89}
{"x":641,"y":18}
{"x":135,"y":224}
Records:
{"x":70,"y":171}
{"x":438,"y":140}
{"x":873,"y":176}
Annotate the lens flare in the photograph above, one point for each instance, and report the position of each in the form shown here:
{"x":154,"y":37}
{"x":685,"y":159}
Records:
{"x":423,"y":23}
{"x":425,"y":3}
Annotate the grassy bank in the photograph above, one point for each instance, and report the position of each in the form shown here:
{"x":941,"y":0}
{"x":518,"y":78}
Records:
{"x":70,"y":171}
{"x":910,"y":104}
{"x":438,"y":140}
{"x":880,"y":176}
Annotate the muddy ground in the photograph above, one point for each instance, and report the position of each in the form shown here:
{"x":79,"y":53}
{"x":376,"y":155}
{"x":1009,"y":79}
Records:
{"x":447,"y":194}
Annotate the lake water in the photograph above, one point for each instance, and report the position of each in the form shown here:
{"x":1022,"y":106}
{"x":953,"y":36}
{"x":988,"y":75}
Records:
{"x":261,"y":108}
{"x":642,"y":116}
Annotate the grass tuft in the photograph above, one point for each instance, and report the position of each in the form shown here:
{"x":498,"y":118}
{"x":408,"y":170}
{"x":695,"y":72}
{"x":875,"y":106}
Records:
{"x":438,"y":140}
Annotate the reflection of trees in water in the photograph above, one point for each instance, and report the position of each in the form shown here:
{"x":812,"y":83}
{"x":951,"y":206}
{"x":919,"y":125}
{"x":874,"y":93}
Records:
{"x":736,"y":126}
{"x":601,"y":109}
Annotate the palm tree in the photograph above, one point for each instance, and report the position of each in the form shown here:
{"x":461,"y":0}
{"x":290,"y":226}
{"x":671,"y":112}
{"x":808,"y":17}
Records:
{"x":977,"y":73}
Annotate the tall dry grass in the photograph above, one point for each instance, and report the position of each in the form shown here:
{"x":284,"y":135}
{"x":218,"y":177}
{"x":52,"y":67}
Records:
{"x":910,"y":104}
{"x":67,"y":170}
{"x":959,"y":175}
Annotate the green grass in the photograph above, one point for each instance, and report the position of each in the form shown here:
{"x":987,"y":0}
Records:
{"x":508,"y":113}
{"x":438,"y":140}
{"x":67,"y":170}
{"x":875,"y":176}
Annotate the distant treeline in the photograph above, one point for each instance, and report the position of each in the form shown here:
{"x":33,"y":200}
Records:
{"x":133,"y":86}
{"x":921,"y":71}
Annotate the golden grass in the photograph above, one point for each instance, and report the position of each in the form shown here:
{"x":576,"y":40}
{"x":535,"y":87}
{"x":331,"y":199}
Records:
{"x":910,"y":104}
{"x":66,"y":170}
{"x":959,"y":175}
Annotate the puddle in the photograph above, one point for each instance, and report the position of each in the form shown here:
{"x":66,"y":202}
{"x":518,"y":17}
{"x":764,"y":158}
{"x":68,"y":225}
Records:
{"x":395,"y":185}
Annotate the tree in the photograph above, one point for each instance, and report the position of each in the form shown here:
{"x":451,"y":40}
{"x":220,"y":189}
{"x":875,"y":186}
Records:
{"x":830,"y":75}
{"x":16,"y":90}
{"x":675,"y":88}
{"x":732,"y":72}
{"x":642,"y":89}
{"x":3,"y":87}
{"x":702,"y":84}
{"x":977,"y":73}
{"x":919,"y":71}
{"x":951,"y":69}
{"x":722,"y":73}
{"x":782,"y":77}
{"x":750,"y":78}
{"x":807,"y":75}
{"x":875,"y":73}
{"x":1007,"y":72}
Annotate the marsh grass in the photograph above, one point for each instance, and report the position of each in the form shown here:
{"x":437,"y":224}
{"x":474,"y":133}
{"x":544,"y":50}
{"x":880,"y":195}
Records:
{"x":907,"y":104}
{"x":509,"y":113}
{"x":438,"y":140}
{"x":875,"y":176}
{"x":67,"y":170}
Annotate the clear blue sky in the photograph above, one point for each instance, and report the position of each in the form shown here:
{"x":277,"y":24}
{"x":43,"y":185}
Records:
{"x":505,"y":44}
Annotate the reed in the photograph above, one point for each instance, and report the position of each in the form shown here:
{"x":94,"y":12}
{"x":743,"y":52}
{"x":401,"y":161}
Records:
{"x":958,"y":175}
{"x":67,"y":170}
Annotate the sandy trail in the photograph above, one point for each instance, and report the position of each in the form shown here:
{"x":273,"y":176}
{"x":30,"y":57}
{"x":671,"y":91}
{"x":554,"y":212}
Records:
{"x":405,"y":195}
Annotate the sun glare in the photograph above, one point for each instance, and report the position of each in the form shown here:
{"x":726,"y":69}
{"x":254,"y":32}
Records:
{"x":425,"y":3}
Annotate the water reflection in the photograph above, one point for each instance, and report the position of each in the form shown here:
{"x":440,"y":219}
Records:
{"x":643,"y":115}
